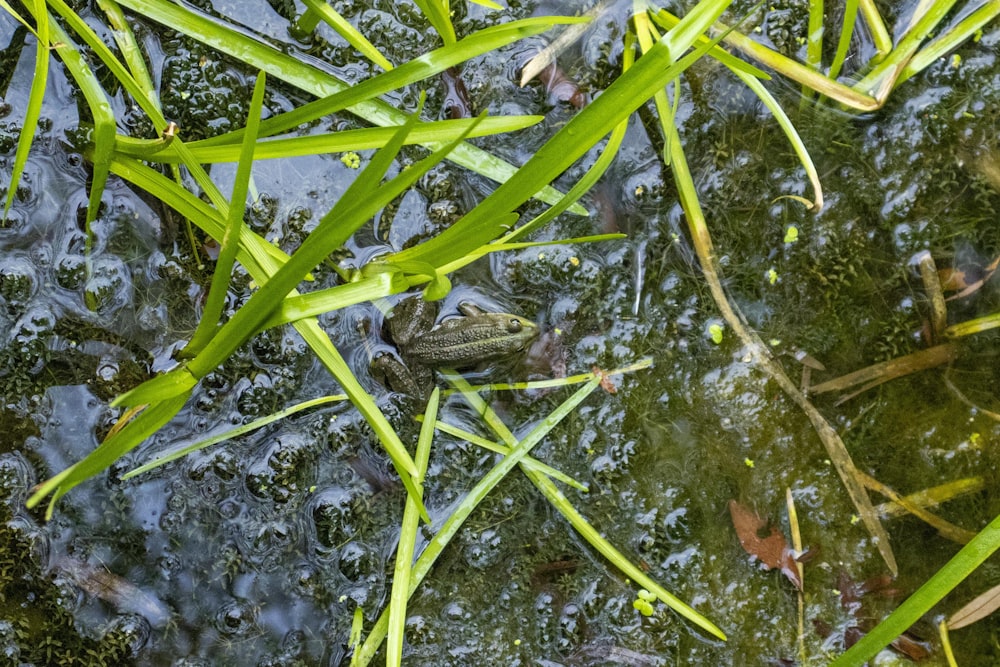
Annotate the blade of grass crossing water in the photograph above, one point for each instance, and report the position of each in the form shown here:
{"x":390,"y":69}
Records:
{"x":33,"y":111}
{"x":131,"y":52}
{"x":269,"y":295}
{"x":261,"y":264}
{"x":145,"y":424}
{"x":336,"y":142}
{"x":229,"y":243}
{"x":964,"y":563}
{"x":348,"y":32}
{"x":944,"y":43}
{"x":166,"y":457}
{"x":577,"y":520}
{"x":408,"y":539}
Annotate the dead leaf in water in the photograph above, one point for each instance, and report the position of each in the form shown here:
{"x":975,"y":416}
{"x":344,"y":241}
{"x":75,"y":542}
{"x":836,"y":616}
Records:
{"x":981,"y":607}
{"x":770,"y":548}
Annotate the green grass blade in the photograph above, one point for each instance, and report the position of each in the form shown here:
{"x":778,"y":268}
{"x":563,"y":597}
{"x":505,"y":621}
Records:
{"x":944,"y":43}
{"x":437,"y":12}
{"x":33,"y":111}
{"x":964,"y":563}
{"x":844,"y":42}
{"x":359,"y":97}
{"x":319,"y":83}
{"x":181,"y":452}
{"x":527,"y":461}
{"x":883,"y":77}
{"x":582,"y":526}
{"x":814,"y":36}
{"x":330,"y":233}
{"x":125,"y":39}
{"x":258,"y":256}
{"x":228,"y":244}
{"x":335,"y":142}
{"x":790,"y":132}
{"x":348,"y":32}
{"x":311,"y":304}
{"x":101,"y":50}
{"x":880,"y":34}
{"x":408,"y":535}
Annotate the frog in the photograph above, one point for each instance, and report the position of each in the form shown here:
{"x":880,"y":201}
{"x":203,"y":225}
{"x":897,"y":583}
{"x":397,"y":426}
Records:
{"x":478,"y":336}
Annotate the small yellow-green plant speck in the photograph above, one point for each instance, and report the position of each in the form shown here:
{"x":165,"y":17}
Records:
{"x":791,"y":234}
{"x":351,"y":160}
{"x":715,"y":333}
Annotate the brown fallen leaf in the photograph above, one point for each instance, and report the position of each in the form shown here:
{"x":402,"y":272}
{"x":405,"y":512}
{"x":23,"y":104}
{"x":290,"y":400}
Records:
{"x":771,"y":550}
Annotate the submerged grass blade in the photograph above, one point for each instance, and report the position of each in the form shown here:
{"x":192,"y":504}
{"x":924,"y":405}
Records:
{"x":835,"y":447}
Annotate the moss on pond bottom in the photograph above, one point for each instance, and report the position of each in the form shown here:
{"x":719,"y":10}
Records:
{"x":36,"y":626}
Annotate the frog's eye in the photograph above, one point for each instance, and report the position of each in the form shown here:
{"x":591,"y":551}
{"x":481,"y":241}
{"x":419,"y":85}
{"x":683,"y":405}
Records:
{"x":514,"y":326}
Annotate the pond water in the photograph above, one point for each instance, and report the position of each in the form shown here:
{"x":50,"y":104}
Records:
{"x":257,"y":551}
